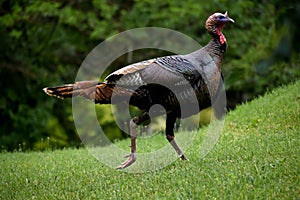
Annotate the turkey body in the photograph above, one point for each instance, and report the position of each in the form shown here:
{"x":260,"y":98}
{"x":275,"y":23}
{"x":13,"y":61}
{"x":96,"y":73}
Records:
{"x":172,"y":82}
{"x":182,"y":84}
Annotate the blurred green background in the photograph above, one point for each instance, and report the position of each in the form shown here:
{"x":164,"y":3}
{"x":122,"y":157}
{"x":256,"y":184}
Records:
{"x":44,"y":42}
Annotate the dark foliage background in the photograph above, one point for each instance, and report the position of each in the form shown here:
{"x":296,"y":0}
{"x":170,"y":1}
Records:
{"x":44,"y":42}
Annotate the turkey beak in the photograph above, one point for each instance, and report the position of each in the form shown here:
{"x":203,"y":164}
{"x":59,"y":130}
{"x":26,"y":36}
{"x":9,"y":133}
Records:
{"x":228,"y":18}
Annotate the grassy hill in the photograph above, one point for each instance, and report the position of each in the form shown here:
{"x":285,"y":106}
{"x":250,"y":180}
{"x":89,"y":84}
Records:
{"x":257,"y":157}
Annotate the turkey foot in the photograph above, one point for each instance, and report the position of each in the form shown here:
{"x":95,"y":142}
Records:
{"x":133,"y":124}
{"x":131,"y":159}
{"x":183,"y":157}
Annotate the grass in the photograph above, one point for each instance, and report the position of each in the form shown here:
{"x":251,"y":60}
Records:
{"x":257,"y":157}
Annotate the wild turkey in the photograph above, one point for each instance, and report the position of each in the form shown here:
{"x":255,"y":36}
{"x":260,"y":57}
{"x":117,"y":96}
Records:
{"x":169,"y":81}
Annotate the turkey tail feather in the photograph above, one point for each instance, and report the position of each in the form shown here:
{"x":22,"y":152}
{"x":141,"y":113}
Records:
{"x":62,"y":92}
{"x":84,"y":88}
{"x":99,"y":92}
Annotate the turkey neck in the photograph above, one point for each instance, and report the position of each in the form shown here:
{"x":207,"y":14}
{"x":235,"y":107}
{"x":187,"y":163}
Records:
{"x":216,"y":50}
{"x":217,"y":46}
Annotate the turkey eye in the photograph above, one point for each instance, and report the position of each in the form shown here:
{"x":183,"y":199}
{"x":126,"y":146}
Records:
{"x":221,"y":17}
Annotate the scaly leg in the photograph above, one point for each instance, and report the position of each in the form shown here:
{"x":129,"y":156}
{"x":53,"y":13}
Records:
{"x":170,"y":134}
{"x":133,"y":125}
{"x":175,"y":146}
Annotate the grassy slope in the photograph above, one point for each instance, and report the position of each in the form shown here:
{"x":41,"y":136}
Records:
{"x":258,"y":156}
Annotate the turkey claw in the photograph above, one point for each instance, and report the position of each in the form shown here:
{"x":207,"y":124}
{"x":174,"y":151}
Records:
{"x":127,"y":156}
{"x":131,"y":159}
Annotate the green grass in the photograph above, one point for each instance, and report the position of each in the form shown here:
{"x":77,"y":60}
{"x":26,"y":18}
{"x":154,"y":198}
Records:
{"x":257,"y":157}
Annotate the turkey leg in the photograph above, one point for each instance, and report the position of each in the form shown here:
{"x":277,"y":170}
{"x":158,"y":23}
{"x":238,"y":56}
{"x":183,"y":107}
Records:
{"x":170,"y":134}
{"x":133,"y":125}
